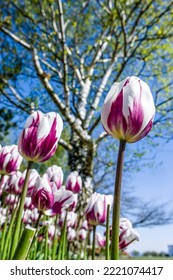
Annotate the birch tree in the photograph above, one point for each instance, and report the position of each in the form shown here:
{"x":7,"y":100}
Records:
{"x":64,"y":56}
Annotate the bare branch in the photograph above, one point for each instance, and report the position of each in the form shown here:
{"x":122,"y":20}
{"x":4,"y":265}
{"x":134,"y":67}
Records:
{"x":16,"y":38}
{"x":63,"y":42}
{"x":17,"y":105}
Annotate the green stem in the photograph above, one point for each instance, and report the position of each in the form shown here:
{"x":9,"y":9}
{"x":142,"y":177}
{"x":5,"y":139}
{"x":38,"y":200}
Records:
{"x":94,"y":243}
{"x":61,"y":248}
{"x":46,"y":245}
{"x":107,"y":256}
{"x":20,"y":211}
{"x":4,"y":231}
{"x":9,"y":235}
{"x":36,"y":227}
{"x":117,"y":201}
{"x":64,"y":243}
{"x":55,"y":240}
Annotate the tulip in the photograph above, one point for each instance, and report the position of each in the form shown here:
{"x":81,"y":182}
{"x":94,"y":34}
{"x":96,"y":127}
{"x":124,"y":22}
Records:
{"x":27,"y":217}
{"x":72,"y":207}
{"x":31,"y":182}
{"x":71,"y":219}
{"x":63,"y":199}
{"x":34,"y":215}
{"x":74,"y":182}
{"x":101,"y":240}
{"x":127,"y":234}
{"x":82,"y":234}
{"x":28,"y":204}
{"x":42,"y":195}
{"x":51,"y":231}
{"x":10,"y":199}
{"x":96,"y":210}
{"x":127,"y":115}
{"x":39,"y":138}
{"x":13,"y":185}
{"x":84,"y":225}
{"x":3,"y":183}
{"x":2,"y":219}
{"x":55,"y":175}
{"x":128,"y":110}
{"x":71,"y":234}
{"x":10,"y":159}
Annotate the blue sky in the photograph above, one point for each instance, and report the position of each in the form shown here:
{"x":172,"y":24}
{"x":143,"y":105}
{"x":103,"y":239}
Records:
{"x":156,"y":184}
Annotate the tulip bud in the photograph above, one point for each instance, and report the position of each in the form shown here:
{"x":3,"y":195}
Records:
{"x":51,"y":231}
{"x":82,"y":234}
{"x":71,"y":220}
{"x":71,"y":234}
{"x":27,"y":217}
{"x":10,"y":199}
{"x":3,"y":183}
{"x":10,"y":159}
{"x":84,"y":225}
{"x":34,"y":215}
{"x":42,"y":195}
{"x":127,"y":233}
{"x":55,"y":175}
{"x":96,"y":210}
{"x":74,"y":182}
{"x":13,"y":183}
{"x":28,"y":204}
{"x":101,"y":240}
{"x":39,"y":138}
{"x":128,"y":110}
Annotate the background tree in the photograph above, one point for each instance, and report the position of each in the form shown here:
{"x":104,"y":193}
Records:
{"x":68,"y":53}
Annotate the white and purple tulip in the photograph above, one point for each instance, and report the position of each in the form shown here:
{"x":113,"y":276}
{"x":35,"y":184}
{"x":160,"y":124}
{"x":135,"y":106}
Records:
{"x":84,"y":225}
{"x":10,"y":159}
{"x":82,"y":234}
{"x":31,"y":182}
{"x":39,"y":138}
{"x":28,"y":204}
{"x":55,"y":175}
{"x":42,"y":196}
{"x":63,"y":199}
{"x":13,"y":185}
{"x":96,"y":210}
{"x":71,"y":220}
{"x":51,"y":231}
{"x":127,"y":234}
{"x":74,"y":182}
{"x":3,"y":183}
{"x":71,"y":234}
{"x":128,"y":110}
{"x":101,"y":240}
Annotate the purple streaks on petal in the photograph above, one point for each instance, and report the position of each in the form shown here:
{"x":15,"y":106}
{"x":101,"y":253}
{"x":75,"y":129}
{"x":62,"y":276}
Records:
{"x":136,"y":116}
{"x":58,"y":206}
{"x":144,"y":132}
{"x":2,"y":158}
{"x":116,"y":120}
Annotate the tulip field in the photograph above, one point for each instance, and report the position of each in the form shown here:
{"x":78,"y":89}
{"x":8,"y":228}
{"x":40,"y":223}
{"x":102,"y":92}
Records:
{"x":40,"y":218}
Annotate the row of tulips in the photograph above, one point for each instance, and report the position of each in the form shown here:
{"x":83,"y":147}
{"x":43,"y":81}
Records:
{"x":38,"y":213}
{"x":48,"y":206}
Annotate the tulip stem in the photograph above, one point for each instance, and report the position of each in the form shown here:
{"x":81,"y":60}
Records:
{"x":117,"y":202}
{"x":20,"y":211}
{"x":55,"y":240}
{"x":94,"y":243}
{"x":107,"y":255}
